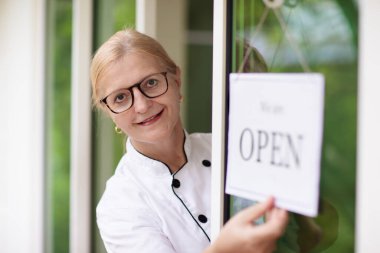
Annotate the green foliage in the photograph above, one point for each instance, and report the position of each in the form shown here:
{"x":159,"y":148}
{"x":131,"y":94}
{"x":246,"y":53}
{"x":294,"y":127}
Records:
{"x":58,"y":125}
{"x":124,"y":14}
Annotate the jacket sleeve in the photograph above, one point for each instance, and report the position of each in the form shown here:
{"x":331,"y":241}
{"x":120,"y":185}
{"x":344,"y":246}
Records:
{"x":132,"y":230}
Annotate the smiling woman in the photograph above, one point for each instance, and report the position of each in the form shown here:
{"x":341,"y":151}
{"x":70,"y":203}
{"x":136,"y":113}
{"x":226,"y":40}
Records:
{"x":158,"y":200}
{"x":151,"y":120}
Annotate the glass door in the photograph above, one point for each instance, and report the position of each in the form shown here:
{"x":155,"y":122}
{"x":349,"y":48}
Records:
{"x":308,"y":36}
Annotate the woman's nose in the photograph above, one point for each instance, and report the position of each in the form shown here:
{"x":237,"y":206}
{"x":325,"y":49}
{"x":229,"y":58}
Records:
{"x":141,"y":103}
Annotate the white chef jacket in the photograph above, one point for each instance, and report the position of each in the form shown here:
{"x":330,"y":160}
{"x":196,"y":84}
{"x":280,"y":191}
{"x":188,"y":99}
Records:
{"x":145,"y":208}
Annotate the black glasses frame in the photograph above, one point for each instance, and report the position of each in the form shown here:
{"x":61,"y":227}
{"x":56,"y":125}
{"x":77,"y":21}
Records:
{"x":138,"y":86}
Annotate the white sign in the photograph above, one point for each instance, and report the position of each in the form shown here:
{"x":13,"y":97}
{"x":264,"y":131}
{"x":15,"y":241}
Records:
{"x":275,"y":137}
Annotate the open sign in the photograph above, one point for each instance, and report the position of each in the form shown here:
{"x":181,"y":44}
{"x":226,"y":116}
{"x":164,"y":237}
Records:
{"x":275,"y":138}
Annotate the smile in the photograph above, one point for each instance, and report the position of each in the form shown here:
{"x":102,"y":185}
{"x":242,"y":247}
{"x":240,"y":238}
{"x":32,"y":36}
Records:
{"x":151,"y":120}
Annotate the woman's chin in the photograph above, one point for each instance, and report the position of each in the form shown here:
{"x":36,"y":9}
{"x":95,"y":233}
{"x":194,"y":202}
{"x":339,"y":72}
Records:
{"x":158,"y":134}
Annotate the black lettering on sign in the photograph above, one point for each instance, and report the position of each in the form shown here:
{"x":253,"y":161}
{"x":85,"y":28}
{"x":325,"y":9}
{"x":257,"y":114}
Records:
{"x":263,"y":143}
{"x":246,"y":136}
{"x":276,"y":148}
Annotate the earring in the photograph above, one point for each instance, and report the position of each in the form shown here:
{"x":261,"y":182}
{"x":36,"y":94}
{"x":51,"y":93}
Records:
{"x":180,"y":99}
{"x":118,"y":130}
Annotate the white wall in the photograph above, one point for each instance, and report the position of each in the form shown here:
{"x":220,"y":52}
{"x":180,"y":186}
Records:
{"x":21,"y":128}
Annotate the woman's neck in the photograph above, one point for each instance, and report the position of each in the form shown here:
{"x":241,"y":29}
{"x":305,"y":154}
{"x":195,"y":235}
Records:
{"x":169,"y":151}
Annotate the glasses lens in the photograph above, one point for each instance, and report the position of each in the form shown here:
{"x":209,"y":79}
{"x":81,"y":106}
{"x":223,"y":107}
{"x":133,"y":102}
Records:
{"x":154,"y":85}
{"x":120,"y":100}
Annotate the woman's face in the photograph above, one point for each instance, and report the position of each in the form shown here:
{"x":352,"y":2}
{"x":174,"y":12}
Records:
{"x":149,"y":120}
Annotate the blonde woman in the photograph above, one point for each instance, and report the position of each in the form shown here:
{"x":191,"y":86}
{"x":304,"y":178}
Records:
{"x":158,"y":200}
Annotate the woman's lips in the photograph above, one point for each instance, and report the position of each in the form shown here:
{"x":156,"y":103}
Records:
{"x":151,"y":120}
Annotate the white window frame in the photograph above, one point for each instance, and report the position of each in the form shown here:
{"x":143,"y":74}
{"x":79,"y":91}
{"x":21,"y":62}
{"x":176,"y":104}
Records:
{"x":80,"y":144}
{"x":218,"y":115}
{"x":368,"y":139}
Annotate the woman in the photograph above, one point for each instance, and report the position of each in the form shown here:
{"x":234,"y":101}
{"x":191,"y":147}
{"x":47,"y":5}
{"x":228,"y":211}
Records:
{"x":159,"y":198}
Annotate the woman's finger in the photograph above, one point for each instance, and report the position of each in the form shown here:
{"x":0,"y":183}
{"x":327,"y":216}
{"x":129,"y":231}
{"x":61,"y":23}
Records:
{"x":253,"y":212}
{"x":275,"y":226}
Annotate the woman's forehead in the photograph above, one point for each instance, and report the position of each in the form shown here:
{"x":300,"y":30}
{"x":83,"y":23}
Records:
{"x":138,"y":62}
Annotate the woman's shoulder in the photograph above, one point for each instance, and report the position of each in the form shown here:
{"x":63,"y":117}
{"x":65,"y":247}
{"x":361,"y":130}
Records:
{"x":121,"y":192}
{"x":200,"y":145}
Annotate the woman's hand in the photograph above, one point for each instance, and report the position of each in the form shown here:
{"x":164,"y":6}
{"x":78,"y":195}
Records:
{"x":240,"y":234}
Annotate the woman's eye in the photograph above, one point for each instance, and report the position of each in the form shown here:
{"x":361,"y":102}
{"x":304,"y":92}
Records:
{"x":151,"y":83}
{"x":120,"y":98}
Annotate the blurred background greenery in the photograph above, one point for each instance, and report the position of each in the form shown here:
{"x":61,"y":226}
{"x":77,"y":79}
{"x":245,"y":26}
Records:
{"x":326,"y":34}
{"x":58,"y":62}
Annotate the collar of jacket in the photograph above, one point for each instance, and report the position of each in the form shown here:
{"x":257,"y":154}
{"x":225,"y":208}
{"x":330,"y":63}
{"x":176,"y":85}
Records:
{"x":149,"y":166}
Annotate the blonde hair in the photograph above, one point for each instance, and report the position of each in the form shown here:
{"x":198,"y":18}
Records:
{"x":117,"y":47}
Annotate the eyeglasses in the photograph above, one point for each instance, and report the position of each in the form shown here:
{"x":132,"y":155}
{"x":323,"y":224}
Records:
{"x":152,"y":86}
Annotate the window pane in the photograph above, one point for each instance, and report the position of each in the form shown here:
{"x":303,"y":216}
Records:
{"x":321,"y":36}
{"x":58,"y":64}
{"x":197,"y":96}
